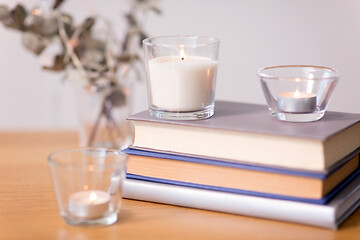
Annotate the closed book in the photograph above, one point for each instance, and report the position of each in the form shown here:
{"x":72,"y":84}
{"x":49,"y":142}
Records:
{"x":322,"y":200}
{"x":241,"y":177}
{"x":247,"y":132}
{"x":330,"y":215}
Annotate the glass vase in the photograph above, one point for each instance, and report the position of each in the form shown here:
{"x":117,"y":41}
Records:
{"x":102,"y":116}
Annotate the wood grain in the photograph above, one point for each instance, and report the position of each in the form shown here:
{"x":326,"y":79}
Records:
{"x":28,"y":207}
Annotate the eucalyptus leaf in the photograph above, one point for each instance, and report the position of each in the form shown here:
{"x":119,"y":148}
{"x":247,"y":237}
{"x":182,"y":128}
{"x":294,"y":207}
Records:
{"x":125,"y":43}
{"x":50,"y":27}
{"x":16,"y":18}
{"x":147,"y":5}
{"x":127,"y":58}
{"x":4,"y":12}
{"x":68,"y":24}
{"x":58,"y":3}
{"x":66,"y":18}
{"x":117,"y":97}
{"x":59,"y":64}
{"x":88,"y":24}
{"x":92,"y":53}
{"x":49,"y":54}
{"x":33,"y":42}
{"x":46,"y":26}
{"x":142,"y":37}
{"x":156,"y":10}
{"x":131,"y":19}
{"x":124,"y":58}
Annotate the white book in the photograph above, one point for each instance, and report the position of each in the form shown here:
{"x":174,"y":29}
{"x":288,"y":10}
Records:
{"x":330,"y":215}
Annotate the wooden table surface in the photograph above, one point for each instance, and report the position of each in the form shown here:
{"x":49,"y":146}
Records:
{"x":28,"y":207}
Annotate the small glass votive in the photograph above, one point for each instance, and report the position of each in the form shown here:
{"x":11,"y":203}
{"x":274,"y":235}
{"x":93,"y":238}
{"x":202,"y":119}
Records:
{"x":181,"y":76}
{"x":88,"y":184}
{"x":298,"y":93}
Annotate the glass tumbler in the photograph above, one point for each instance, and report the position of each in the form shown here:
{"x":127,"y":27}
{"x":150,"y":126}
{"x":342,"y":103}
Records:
{"x":88,"y":184}
{"x":181,"y":76}
{"x":298,"y":93}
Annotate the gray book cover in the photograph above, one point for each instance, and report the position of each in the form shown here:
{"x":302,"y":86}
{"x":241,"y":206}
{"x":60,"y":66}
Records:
{"x":254,"y":118}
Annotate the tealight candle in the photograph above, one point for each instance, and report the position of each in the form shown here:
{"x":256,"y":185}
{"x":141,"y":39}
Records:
{"x":296,"y":102}
{"x":89,"y":204}
{"x":182,"y":83}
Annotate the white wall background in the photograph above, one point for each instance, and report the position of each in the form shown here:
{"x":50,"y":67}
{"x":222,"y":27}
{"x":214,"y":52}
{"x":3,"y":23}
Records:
{"x":253,"y":34}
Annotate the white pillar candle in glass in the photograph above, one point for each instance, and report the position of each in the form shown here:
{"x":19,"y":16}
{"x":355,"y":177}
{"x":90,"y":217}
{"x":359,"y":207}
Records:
{"x":182,"y":83}
{"x":181,"y":76}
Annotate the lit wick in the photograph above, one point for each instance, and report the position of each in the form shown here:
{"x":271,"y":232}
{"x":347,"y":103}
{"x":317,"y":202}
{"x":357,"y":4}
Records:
{"x":92,"y":198}
{"x":182,"y":54}
{"x":296,"y":102}
{"x":297,"y":94}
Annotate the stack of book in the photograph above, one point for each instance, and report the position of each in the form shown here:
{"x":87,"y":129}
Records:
{"x":243,"y":161}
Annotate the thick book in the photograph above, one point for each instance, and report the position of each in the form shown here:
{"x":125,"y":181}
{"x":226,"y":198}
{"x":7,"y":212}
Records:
{"x":245,"y":177}
{"x":330,"y":215}
{"x":322,"y":200}
{"x":247,"y":132}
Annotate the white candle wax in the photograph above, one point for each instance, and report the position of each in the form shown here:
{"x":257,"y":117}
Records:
{"x":89,"y":204}
{"x":182,"y":83}
{"x":296,"y":102}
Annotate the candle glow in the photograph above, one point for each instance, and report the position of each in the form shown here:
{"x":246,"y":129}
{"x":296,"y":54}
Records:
{"x":182,"y":53}
{"x":89,"y":204}
{"x":296,"y":94}
{"x":296,"y":102}
{"x":92,"y":198}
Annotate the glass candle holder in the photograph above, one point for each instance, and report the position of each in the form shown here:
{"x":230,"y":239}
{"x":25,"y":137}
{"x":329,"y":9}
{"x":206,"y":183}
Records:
{"x":88,"y":184}
{"x":298,"y":93}
{"x":181,"y":74}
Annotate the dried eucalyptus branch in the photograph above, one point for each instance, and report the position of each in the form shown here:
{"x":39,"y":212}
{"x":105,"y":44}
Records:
{"x":78,"y":48}
{"x":69,"y":47}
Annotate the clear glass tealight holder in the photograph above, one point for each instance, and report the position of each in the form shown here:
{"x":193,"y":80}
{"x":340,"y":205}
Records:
{"x":298,"y":93}
{"x":88,"y":184}
{"x":181,"y":76}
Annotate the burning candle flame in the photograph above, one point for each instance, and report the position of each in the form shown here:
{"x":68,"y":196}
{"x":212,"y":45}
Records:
{"x":182,"y":53}
{"x":296,"y":94}
{"x":92,"y":197}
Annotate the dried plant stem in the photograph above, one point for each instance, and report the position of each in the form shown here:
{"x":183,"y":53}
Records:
{"x":110,"y":123}
{"x":111,"y":127}
{"x":96,"y":125}
{"x":69,"y":48}
{"x":70,"y":53}
{"x":98,"y":60}
{"x":114,"y":127}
